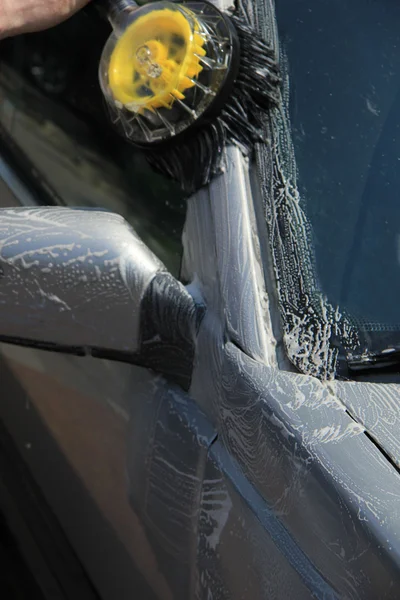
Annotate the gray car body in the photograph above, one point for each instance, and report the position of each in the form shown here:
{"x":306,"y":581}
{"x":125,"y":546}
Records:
{"x":258,"y":482}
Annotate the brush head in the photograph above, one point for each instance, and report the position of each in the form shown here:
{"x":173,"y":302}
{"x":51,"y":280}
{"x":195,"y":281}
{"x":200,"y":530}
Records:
{"x":242,"y":118}
{"x":168,"y":67}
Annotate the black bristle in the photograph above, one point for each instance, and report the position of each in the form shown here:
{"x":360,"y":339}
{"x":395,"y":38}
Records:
{"x":195,"y":159}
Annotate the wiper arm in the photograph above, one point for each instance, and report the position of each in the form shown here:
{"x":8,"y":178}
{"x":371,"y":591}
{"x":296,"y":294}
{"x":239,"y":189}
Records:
{"x":388,"y":358}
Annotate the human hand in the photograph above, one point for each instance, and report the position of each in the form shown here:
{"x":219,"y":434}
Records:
{"x":22,"y":16}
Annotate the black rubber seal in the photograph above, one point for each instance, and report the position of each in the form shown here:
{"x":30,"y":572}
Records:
{"x":225,"y":91}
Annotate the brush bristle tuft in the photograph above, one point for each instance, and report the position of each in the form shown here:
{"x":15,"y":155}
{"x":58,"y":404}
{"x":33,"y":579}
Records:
{"x":199,"y":157}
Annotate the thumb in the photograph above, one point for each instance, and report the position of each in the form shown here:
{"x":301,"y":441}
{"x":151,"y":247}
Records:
{"x":23,"y":16}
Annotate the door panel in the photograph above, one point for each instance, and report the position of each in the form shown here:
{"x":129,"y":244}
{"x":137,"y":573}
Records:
{"x":69,"y":416}
{"x":74,"y":440}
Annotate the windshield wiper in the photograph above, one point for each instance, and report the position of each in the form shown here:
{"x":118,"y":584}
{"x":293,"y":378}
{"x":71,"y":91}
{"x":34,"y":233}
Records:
{"x":388,"y":358}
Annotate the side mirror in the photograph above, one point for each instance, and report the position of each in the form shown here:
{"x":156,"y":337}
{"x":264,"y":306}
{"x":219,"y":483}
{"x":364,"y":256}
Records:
{"x":81,"y":281}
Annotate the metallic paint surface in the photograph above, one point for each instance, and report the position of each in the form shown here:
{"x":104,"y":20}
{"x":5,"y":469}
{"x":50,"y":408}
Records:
{"x":256,"y":484}
{"x":75,"y":267}
{"x":333,"y":490}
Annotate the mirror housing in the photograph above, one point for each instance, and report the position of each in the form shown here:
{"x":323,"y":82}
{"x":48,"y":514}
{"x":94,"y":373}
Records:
{"x":81,"y":281}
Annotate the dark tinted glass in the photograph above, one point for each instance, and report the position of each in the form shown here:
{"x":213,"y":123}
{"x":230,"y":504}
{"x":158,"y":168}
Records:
{"x":344,"y":62}
{"x":51,"y":109}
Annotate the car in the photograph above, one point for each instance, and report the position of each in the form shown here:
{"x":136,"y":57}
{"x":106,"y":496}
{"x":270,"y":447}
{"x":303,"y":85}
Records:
{"x":229,"y":428}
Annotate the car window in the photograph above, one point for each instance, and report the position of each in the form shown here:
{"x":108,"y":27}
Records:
{"x":345,"y":113}
{"x":53,"y":116}
{"x":334,"y":214}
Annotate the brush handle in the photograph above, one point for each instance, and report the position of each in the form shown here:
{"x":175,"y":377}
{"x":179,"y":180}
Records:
{"x":114,"y":8}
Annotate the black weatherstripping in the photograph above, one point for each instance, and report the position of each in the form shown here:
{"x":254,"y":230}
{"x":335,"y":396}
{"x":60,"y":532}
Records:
{"x":385,"y":359}
{"x":169,"y":325}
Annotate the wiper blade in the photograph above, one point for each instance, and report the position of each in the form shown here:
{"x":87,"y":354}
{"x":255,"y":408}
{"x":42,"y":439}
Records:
{"x":388,"y":358}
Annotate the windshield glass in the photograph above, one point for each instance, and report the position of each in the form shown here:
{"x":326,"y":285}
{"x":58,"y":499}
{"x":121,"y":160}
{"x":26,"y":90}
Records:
{"x":345,"y":116}
{"x":341,"y":63}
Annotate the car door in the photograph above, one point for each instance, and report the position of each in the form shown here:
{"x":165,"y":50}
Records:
{"x":69,"y":418}
{"x":257,"y":481}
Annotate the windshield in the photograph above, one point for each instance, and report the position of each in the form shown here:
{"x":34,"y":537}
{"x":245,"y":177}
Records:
{"x":345,"y":115}
{"x":341,"y":62}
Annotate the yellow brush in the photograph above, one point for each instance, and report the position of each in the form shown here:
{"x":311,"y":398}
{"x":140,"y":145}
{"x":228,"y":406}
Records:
{"x":156,"y":59}
{"x":183,"y":79}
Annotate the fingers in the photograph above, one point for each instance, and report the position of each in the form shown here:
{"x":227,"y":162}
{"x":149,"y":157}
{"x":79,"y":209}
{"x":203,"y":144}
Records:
{"x":22,"y":16}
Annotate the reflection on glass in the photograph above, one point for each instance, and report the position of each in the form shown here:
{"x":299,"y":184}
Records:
{"x":52,"y":108}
